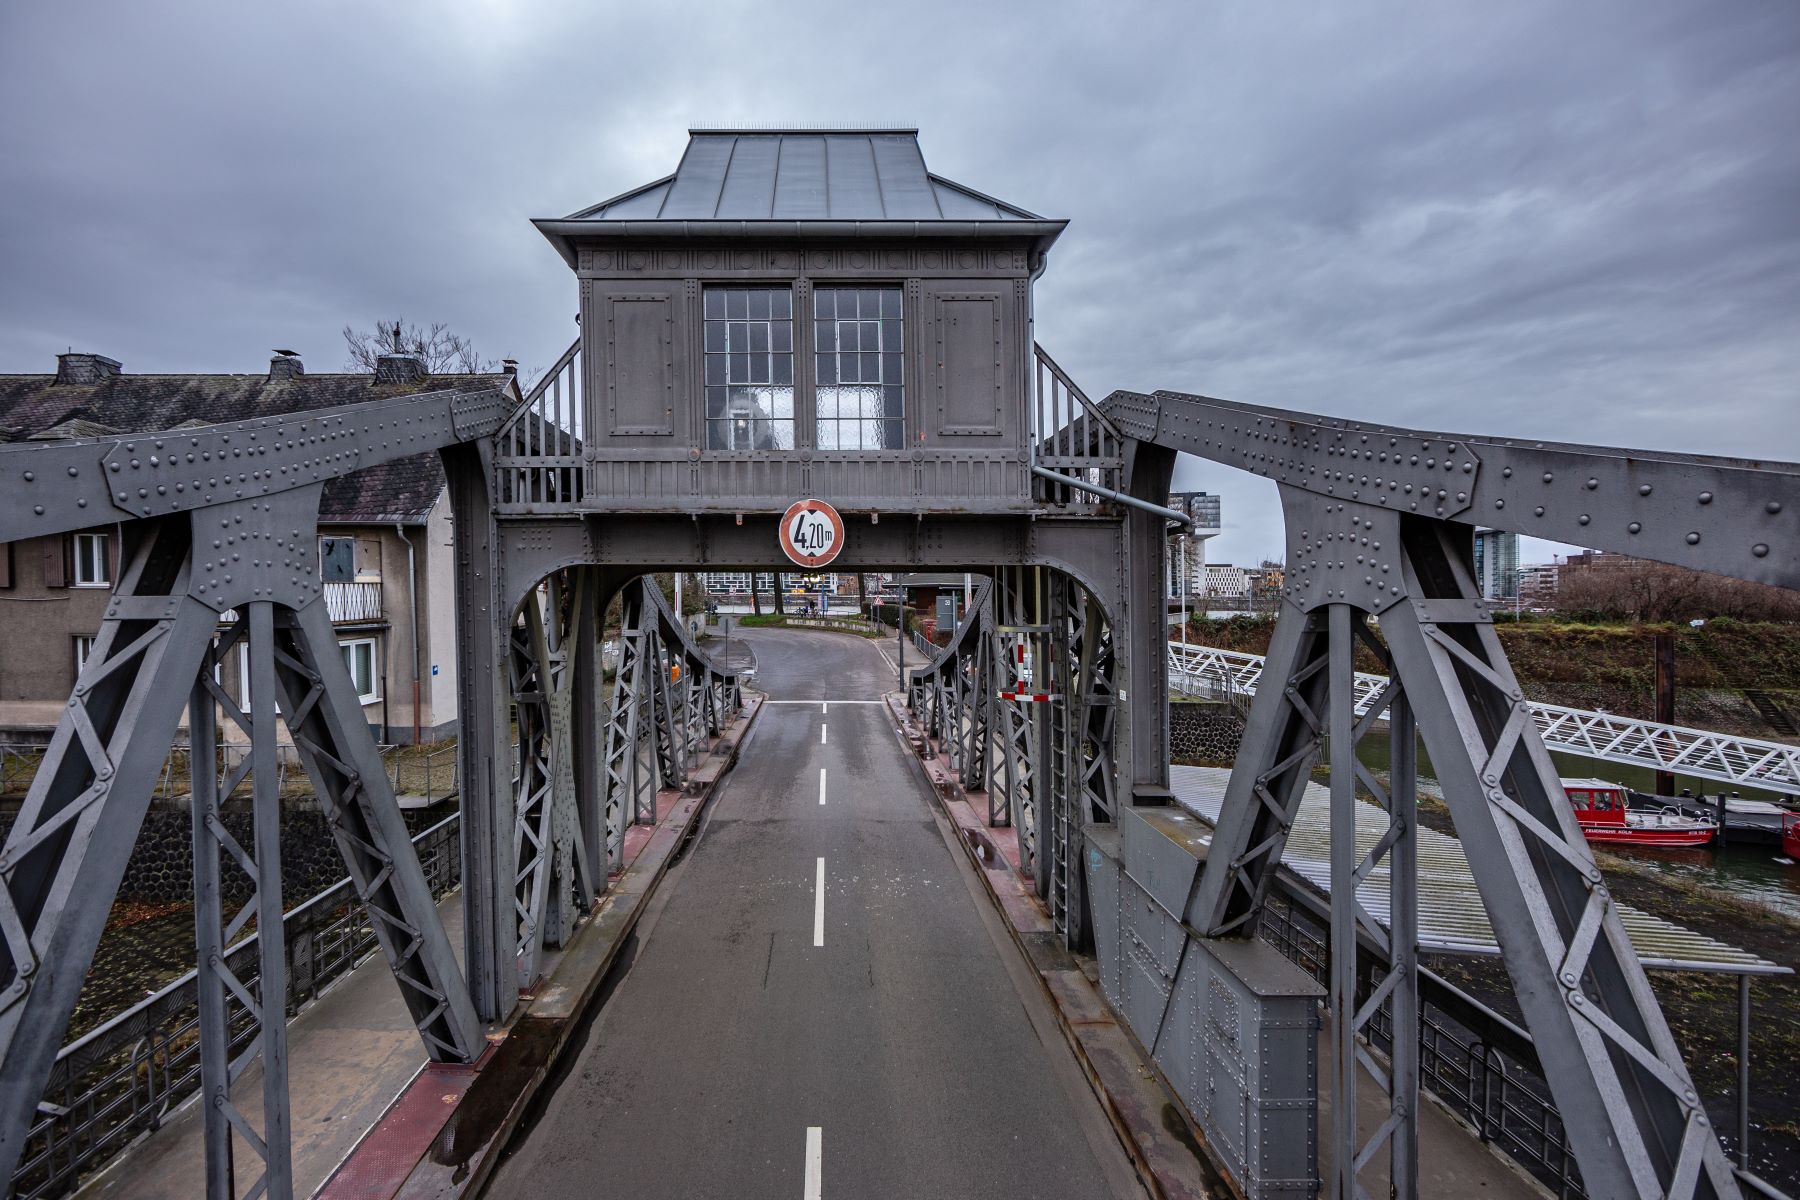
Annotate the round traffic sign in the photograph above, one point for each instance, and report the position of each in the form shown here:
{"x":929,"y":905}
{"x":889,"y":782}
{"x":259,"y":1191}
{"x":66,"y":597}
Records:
{"x":811,"y":533}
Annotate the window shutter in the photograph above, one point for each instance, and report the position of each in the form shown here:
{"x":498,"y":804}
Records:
{"x":115,"y":550}
{"x":56,"y":562}
{"x":5,"y":564}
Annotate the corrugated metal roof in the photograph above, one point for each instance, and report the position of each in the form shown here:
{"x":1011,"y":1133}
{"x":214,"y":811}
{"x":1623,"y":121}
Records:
{"x":803,"y":175}
{"x":1452,"y":918}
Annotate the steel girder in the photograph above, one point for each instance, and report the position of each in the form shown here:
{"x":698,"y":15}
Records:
{"x":1731,"y":516}
{"x":67,"y":852}
{"x":554,"y":881}
{"x":668,"y":697}
{"x":953,"y":696}
{"x":1634,"y":1120}
{"x":54,"y":487}
{"x":1054,"y":769}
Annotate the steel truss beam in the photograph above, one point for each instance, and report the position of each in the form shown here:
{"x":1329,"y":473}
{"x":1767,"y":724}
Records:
{"x":668,"y":698}
{"x":554,"y":881}
{"x":1634,"y":1119}
{"x":67,"y":852}
{"x":1054,"y":768}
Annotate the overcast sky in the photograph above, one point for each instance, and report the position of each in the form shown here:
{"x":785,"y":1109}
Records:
{"x":1567,"y":220}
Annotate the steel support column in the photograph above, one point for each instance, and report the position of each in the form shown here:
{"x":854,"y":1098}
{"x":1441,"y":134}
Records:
{"x":484,"y":744}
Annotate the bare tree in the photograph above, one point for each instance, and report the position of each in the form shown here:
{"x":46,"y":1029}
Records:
{"x":1637,"y":590}
{"x":443,"y":352}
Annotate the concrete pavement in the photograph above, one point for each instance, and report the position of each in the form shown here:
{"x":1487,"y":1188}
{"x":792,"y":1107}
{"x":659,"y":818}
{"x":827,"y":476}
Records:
{"x":774,"y":1039}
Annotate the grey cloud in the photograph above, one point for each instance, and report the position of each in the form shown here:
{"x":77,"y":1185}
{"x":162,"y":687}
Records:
{"x":1571,"y":221}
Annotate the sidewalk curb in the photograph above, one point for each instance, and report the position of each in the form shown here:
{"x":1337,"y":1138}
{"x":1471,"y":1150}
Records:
{"x":446,"y":1112}
{"x":1168,"y":1161}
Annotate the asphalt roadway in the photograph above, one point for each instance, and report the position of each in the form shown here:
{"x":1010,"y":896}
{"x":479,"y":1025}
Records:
{"x":876,"y":1037}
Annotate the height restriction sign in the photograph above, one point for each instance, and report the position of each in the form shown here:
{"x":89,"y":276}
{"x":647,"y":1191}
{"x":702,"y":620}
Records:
{"x":812,"y":533}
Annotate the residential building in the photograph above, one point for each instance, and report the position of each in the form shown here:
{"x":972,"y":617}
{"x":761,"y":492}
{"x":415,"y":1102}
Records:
{"x":384,"y":539}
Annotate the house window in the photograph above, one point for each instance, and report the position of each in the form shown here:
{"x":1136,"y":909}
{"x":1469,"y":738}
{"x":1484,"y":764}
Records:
{"x":857,"y":347}
{"x":337,"y":559}
{"x":84,"y":649}
{"x":359,"y":660}
{"x":749,"y":343}
{"x":93,"y":566}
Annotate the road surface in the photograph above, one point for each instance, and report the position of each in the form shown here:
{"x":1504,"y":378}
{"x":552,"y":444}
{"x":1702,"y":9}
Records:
{"x":878,"y":1037}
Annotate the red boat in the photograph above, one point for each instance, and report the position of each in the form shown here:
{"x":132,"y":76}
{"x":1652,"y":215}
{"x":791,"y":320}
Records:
{"x":1601,"y":812}
{"x":1790,"y":835}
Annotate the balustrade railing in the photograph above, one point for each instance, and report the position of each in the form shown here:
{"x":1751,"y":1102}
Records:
{"x":353,"y":601}
{"x":538,"y":452}
{"x":1070,"y":438}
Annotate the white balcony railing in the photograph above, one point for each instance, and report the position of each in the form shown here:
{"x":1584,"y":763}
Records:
{"x":353,"y":602}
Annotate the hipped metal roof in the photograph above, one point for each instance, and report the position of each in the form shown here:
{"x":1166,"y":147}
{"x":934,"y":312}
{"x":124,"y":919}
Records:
{"x":1452,"y":918}
{"x":801,"y":183}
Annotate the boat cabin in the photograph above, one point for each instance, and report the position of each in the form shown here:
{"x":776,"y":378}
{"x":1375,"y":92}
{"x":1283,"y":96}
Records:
{"x":1596,"y":801}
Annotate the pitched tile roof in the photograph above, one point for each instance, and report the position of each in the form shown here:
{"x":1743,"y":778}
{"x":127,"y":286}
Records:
{"x":38,"y":407}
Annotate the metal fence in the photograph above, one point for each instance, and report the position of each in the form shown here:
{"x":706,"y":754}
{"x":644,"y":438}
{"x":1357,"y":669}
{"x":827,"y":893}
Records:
{"x":431,"y":775}
{"x":1478,"y":1064}
{"x":125,"y":1078}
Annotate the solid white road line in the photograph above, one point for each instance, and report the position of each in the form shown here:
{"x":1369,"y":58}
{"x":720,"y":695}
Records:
{"x":824,"y":702}
{"x":821,"y":785}
{"x":815,"y":1162}
{"x":819,"y":906}
{"x":822,"y":735}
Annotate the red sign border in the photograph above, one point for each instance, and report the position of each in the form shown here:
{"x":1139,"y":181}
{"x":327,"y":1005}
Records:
{"x":810,"y":561}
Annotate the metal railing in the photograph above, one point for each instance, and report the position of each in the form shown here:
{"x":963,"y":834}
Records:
{"x":1071,"y":437}
{"x":123,"y":1079}
{"x":1479,"y":1065}
{"x":538,"y":452}
{"x":1721,"y":757}
{"x":356,"y":600}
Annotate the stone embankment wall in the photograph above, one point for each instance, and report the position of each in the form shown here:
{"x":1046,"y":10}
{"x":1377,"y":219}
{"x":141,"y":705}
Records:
{"x":162,"y":864}
{"x":1203,"y":732}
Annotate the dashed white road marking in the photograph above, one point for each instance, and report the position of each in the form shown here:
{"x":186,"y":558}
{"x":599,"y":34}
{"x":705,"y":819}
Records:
{"x":819,"y":906}
{"x":815,"y":1163}
{"x":822,"y":730}
{"x":824,"y":706}
{"x":821,"y":785}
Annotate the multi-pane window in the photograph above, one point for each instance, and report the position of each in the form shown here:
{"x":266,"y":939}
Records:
{"x":84,"y":649}
{"x":857,"y":346}
{"x":93,"y":567}
{"x":749,"y":368}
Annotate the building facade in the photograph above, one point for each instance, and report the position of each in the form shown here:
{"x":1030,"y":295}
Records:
{"x":384,"y":543}
{"x":1187,"y":547}
{"x":1497,"y":563}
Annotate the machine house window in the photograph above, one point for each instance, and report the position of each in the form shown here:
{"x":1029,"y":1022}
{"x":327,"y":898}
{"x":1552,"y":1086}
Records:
{"x":749,"y":368}
{"x":861,"y":396}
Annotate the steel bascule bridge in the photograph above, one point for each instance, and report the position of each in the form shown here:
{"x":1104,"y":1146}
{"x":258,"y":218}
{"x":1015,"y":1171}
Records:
{"x":791,"y":315}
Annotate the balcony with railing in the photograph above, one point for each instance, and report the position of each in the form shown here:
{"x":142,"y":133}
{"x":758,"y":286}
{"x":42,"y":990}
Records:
{"x":354,"y":603}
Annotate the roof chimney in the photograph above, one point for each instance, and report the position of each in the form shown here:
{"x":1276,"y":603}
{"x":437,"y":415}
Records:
{"x":85,"y":369}
{"x":284,"y":366}
{"x":510,"y":366}
{"x":400,"y":368}
{"x":397,"y":366}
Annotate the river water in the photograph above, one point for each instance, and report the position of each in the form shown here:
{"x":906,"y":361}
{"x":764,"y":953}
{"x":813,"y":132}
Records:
{"x":1755,"y":873}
